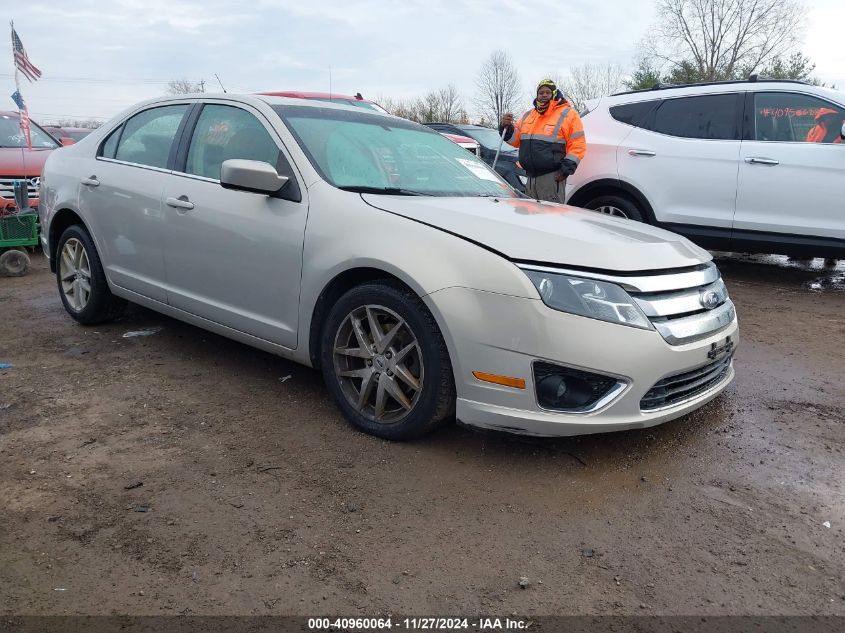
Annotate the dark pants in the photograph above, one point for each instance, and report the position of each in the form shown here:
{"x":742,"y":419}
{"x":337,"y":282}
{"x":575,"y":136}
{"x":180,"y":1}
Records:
{"x":545,"y":188}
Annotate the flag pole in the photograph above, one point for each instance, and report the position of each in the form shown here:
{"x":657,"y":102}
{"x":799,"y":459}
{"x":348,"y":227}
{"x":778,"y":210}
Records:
{"x":21,"y":113}
{"x":18,"y":89}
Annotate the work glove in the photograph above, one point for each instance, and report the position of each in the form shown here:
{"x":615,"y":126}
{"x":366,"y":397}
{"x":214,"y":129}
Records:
{"x":567,"y":168}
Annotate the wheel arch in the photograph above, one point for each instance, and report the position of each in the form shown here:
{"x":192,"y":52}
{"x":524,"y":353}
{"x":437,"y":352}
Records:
{"x":336,"y":288}
{"x":61,"y":220}
{"x":612,"y":186}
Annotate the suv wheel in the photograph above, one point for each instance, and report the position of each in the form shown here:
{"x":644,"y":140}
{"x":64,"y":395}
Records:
{"x":617,"y":206}
{"x":82,"y":283}
{"x":385,"y":362}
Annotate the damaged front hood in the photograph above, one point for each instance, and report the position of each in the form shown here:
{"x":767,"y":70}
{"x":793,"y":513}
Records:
{"x":525,"y":230}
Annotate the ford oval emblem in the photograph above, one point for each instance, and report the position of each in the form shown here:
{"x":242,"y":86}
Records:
{"x":35,"y":182}
{"x":709,"y":299}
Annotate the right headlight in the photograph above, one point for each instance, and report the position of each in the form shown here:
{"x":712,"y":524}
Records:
{"x":588,"y":297}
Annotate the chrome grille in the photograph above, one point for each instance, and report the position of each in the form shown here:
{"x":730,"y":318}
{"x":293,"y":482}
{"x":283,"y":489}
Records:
{"x":6,"y":184}
{"x":689,"y":313}
{"x":680,"y":388}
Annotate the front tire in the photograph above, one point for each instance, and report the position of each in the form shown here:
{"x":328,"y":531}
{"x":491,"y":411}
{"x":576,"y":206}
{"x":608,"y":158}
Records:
{"x":385,"y":362}
{"x":617,"y":206}
{"x":82,"y":283}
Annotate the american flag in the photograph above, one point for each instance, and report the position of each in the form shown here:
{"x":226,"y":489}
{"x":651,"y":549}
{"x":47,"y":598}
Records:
{"x":25,"y":127}
{"x":22,"y":62}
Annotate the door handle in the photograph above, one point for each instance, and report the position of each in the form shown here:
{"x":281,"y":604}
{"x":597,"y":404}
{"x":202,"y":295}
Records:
{"x":641,"y":152}
{"x":91,"y":181}
{"x":754,"y":160}
{"x":181,"y":202}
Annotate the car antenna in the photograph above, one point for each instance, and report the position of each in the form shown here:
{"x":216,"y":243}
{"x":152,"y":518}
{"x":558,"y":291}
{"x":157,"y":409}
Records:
{"x":220,"y":82}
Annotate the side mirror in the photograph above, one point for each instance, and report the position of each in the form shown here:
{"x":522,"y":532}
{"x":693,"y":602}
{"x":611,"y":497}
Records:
{"x":66,"y":140}
{"x":842,"y":132}
{"x":251,"y":175}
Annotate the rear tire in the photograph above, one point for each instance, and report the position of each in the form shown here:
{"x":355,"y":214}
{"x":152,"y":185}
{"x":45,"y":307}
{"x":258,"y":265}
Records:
{"x":385,"y":362}
{"x":82,"y":283}
{"x":14,"y":263}
{"x":618,"y":206}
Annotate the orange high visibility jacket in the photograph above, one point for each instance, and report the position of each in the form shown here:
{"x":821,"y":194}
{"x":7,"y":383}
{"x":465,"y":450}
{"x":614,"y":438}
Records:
{"x":545,"y":140}
{"x":828,"y":127}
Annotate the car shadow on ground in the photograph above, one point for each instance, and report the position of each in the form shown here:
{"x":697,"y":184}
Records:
{"x":605,"y":450}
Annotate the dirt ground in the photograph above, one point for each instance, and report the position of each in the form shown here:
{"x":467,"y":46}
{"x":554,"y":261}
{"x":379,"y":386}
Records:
{"x":258,"y":498}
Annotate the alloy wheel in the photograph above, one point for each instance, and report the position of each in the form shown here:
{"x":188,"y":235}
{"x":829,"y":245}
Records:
{"x":611,"y":210}
{"x":75,"y":271}
{"x":378,"y":363}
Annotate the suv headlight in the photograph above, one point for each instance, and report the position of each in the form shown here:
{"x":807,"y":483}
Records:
{"x":590,"y":298}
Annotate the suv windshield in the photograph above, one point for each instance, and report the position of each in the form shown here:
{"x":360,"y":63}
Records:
{"x":488,"y":138}
{"x":356,"y":150}
{"x":11,"y":134}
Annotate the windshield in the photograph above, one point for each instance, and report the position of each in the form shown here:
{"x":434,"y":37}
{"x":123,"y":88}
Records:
{"x":356,"y":150}
{"x":11,"y":134}
{"x":488,"y":138}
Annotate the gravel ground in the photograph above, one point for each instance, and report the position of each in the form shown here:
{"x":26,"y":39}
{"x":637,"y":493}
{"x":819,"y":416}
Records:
{"x":183,"y":473}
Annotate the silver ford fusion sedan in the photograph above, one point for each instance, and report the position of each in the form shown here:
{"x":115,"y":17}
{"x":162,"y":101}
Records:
{"x":418,"y":282}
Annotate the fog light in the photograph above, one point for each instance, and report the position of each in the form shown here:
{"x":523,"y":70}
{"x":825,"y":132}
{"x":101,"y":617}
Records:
{"x":574,"y":390}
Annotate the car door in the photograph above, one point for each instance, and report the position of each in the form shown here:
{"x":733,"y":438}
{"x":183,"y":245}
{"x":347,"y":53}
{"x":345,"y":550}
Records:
{"x":788,"y":184}
{"x":684,"y":158}
{"x":234,"y":257}
{"x":120,"y":195}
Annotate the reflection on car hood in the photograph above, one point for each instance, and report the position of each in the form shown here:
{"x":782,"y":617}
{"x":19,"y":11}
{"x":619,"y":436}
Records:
{"x":527,"y":230}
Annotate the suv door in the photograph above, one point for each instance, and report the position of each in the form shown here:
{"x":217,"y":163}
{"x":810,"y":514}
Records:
{"x":684,"y":158}
{"x":120,"y":196}
{"x":234,"y":257}
{"x":792,"y":168}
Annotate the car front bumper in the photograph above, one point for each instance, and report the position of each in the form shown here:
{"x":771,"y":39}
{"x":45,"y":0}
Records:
{"x":504,"y":335}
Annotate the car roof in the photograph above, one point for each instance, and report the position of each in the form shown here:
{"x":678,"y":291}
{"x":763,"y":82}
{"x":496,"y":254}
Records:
{"x":297,"y":94}
{"x":250,"y":99}
{"x":711,"y":87}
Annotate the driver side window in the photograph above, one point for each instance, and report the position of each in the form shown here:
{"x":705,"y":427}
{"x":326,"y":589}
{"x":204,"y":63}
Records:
{"x":223,"y":133}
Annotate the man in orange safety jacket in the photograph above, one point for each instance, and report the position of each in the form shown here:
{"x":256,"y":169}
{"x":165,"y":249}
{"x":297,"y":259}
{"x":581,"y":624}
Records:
{"x":551,"y":142}
{"x":828,"y":128}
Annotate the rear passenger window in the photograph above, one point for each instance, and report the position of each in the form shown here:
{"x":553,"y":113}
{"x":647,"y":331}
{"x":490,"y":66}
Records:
{"x":148,"y":136}
{"x":796,"y":118}
{"x":633,"y":113}
{"x":107,"y":149}
{"x":706,"y":117}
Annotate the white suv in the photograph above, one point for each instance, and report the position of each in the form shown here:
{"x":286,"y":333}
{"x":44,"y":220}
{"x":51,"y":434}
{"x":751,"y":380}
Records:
{"x":750,"y":166}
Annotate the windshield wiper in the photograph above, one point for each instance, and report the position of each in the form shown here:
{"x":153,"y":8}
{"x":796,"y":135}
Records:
{"x":387,"y":191}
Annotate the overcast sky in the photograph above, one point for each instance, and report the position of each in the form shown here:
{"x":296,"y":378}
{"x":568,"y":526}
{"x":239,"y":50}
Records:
{"x":99,"y":57}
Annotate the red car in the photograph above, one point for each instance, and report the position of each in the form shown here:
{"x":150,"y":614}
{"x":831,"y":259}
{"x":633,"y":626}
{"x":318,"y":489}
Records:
{"x":17,"y":162}
{"x":73,"y":133}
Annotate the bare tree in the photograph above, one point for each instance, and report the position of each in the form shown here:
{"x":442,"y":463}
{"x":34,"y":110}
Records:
{"x":590,"y":81}
{"x":451,"y":104}
{"x":715,"y":39}
{"x":184,"y":86}
{"x":498,"y":87}
{"x":90,"y":124}
{"x":441,"y":106}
